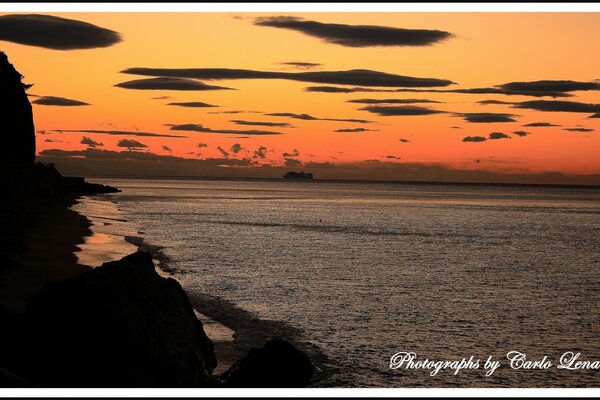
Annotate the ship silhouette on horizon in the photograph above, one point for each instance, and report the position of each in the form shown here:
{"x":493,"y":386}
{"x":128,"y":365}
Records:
{"x":298,"y":175}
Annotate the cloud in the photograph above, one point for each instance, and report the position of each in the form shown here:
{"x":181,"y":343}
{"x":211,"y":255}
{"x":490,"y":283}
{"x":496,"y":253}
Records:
{"x":53,"y":141}
{"x":295,"y":153}
{"x":149,"y":159}
{"x":597,"y":115}
{"x":301,"y":65}
{"x":361,"y":77}
{"x":308,"y":117}
{"x":260,"y":152}
{"x":118,"y":133}
{"x":355,"y":130}
{"x":162,"y":83}
{"x":485,"y":102}
{"x":498,"y":135}
{"x":234,"y":112}
{"x":130,"y":144}
{"x":388,"y":111}
{"x":201,"y":145}
{"x":191,"y":104}
{"x":90,"y":142}
{"x":456,"y":127}
{"x":161,"y":98}
{"x":202,"y":129}
{"x":261,"y":123}
{"x":292,"y":163}
{"x":167,"y":149}
{"x":223,"y":151}
{"x":392,"y":101}
{"x":540,"y":124}
{"x":474,"y":139}
{"x":54,"y":33}
{"x":404,"y":140}
{"x":357,"y":35}
{"x":549,"y":86}
{"x":521,"y":133}
{"x":236,"y":148}
{"x":58,"y":101}
{"x":484,"y":90}
{"x":487,"y":117}
{"x":558,"y":106}
{"x":578,"y":129}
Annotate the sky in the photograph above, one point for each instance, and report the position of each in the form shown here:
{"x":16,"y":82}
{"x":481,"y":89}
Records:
{"x":393,"y":96}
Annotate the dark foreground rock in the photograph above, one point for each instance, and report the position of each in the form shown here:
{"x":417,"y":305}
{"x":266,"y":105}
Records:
{"x":120,"y":325}
{"x":278,"y":364}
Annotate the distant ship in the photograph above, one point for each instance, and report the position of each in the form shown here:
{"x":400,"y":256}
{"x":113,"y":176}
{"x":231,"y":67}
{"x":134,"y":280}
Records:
{"x":298,"y":175}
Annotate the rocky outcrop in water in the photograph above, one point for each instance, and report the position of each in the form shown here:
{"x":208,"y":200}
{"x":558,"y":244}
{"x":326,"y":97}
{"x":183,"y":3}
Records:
{"x":16,"y":118}
{"x":120,"y":325}
{"x":278,"y":364}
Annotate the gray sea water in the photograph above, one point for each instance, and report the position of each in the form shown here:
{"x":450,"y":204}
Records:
{"x":363,"y":271}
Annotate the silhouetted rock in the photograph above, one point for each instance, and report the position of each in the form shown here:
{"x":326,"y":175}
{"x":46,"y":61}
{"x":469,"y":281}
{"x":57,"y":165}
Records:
{"x":119,"y":325}
{"x":277,"y":364}
{"x":16,"y":118}
{"x":78,"y":185}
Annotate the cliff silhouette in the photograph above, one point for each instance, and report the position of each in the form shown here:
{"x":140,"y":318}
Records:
{"x":16,"y":117}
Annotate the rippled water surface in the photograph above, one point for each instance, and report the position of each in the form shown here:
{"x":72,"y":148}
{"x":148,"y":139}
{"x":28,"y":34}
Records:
{"x":367,"y":270}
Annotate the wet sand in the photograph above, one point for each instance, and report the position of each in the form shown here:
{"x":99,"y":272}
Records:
{"x":49,"y":255}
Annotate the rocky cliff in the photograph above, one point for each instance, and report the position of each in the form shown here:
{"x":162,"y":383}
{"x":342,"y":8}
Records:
{"x":120,"y":325}
{"x":16,"y":117}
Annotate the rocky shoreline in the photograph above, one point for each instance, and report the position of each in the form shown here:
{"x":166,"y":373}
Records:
{"x":118,"y":325}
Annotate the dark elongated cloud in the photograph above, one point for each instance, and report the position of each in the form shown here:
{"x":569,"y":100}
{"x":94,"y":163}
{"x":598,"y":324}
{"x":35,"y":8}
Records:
{"x":90,"y":142}
{"x":130,"y":144}
{"x":168,"y":84}
{"x":474,"y":139}
{"x":578,"y":129}
{"x":485,"y":90}
{"x":58,"y":101}
{"x":597,"y":115}
{"x":261,"y":123}
{"x":202,"y":129}
{"x":362,"y":77}
{"x":308,"y":117}
{"x":521,"y":133}
{"x":485,"y":102}
{"x":487,"y":117}
{"x":235,"y":112}
{"x":558,"y":106}
{"x":161,"y":98}
{"x":540,"y":124}
{"x":498,"y":135}
{"x":403,"y":140}
{"x":201,"y":145}
{"x":389,"y":111}
{"x":357,"y":35}
{"x":301,"y":65}
{"x":98,"y":154}
{"x":392,"y":101}
{"x":119,"y":133}
{"x":167,"y":149}
{"x":223,"y":151}
{"x":355,"y":130}
{"x":191,"y":104}
{"x":549,"y":86}
{"x":54,"y":32}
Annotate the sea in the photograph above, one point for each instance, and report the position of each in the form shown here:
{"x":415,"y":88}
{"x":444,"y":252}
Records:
{"x":360,"y":275}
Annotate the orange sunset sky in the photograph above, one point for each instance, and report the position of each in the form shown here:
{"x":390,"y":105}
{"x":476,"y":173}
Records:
{"x":476,"y":50}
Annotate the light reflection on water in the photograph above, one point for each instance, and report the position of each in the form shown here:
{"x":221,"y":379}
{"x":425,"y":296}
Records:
{"x":366,"y":270}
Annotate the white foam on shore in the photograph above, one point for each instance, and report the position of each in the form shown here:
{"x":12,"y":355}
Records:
{"x":109,"y":228}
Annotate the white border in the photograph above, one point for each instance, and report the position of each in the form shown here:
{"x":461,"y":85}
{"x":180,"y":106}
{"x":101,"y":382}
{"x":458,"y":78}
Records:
{"x":302,"y":7}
